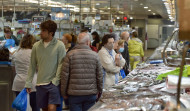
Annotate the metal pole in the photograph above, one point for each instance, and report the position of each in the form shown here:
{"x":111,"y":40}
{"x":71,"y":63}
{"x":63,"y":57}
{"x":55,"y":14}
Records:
{"x":14,"y":15}
{"x":180,"y":75}
{"x":2,"y":9}
{"x":24,"y":8}
{"x":110,"y":11}
{"x":80,"y":11}
{"x":38,"y":7}
{"x":90,"y":6}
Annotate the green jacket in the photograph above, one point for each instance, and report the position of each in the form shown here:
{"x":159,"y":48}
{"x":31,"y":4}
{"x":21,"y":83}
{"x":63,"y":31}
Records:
{"x":47,"y":61}
{"x":13,"y":37}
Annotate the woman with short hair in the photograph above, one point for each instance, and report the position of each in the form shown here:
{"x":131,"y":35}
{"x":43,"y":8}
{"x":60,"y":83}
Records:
{"x":21,"y":61}
{"x":110,"y":60}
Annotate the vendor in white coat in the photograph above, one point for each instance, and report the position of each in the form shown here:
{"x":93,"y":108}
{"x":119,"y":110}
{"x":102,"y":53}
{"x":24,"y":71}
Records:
{"x":110,"y":60}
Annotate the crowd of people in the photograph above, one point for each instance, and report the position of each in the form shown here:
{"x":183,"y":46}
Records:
{"x":75,"y":70}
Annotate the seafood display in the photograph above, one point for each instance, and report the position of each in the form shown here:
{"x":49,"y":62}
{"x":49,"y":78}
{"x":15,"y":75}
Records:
{"x":139,"y":91}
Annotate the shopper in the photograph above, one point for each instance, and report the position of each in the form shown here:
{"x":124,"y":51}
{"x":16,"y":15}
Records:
{"x":20,"y":62}
{"x":81,"y":77}
{"x":69,"y":44}
{"x":120,"y":47}
{"x":11,"y":40}
{"x":125,"y":53}
{"x":110,"y":60}
{"x":135,"y":50}
{"x":47,"y":56}
{"x":96,"y":39}
{"x":67,"y":40}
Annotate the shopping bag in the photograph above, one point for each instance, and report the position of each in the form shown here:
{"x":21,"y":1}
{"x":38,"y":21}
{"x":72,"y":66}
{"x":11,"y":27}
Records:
{"x":122,"y":73}
{"x":20,"y":102}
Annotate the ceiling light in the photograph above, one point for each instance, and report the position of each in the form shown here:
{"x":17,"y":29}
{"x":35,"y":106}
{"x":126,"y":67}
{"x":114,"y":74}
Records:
{"x":164,"y":0}
{"x":97,"y":3}
{"x":11,"y":9}
{"x":145,"y":7}
{"x":149,"y":10}
{"x":108,"y":8}
{"x":118,"y":17}
{"x":166,"y":3}
{"x":101,"y":11}
{"x":131,"y":18}
{"x":154,"y":14}
{"x":141,"y":4}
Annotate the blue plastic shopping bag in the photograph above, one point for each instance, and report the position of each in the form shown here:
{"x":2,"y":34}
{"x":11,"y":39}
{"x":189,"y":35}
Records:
{"x":122,"y":72}
{"x":20,"y":102}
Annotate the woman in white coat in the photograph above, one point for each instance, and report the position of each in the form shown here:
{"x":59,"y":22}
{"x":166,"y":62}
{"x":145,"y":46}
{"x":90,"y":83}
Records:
{"x":20,"y":62}
{"x":110,"y":60}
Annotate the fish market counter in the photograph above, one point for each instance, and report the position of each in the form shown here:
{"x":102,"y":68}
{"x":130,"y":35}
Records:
{"x":141,"y":90}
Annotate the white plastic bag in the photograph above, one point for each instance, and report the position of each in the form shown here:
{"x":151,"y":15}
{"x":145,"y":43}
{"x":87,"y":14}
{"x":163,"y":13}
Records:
{"x":28,"y":103}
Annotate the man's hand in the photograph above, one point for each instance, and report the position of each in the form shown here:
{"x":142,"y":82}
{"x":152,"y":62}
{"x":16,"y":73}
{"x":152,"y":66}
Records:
{"x":28,"y":90}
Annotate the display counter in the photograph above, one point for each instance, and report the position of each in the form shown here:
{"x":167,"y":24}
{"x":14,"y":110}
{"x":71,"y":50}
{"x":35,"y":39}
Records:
{"x":141,"y":91}
{"x":6,"y":80}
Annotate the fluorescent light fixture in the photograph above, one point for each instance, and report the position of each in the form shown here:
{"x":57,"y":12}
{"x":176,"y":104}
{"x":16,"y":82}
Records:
{"x":108,"y":8}
{"x":11,"y":9}
{"x":166,"y":3}
{"x":154,"y":13}
{"x":145,"y":7}
{"x":141,"y":4}
{"x":118,"y":17}
{"x":101,"y":11}
{"x":149,"y":10}
{"x":97,"y":3}
{"x":131,"y":18}
{"x":164,"y":0}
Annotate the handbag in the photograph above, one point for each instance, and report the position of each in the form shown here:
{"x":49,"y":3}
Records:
{"x":4,"y":54}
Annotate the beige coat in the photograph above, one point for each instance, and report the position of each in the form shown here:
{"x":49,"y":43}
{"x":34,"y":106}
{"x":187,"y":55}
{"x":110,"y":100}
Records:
{"x":81,"y":73}
{"x":109,"y":66}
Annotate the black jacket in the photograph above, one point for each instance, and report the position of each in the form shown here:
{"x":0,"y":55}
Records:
{"x":125,"y":53}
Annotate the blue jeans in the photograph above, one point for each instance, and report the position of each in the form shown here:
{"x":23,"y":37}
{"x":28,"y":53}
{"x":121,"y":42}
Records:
{"x":81,"y":103}
{"x":66,"y":101}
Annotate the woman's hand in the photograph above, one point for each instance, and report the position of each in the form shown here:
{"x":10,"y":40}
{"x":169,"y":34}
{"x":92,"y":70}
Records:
{"x":117,"y":59}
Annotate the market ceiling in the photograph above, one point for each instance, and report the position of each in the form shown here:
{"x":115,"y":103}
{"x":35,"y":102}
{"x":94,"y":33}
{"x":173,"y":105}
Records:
{"x":137,"y":9}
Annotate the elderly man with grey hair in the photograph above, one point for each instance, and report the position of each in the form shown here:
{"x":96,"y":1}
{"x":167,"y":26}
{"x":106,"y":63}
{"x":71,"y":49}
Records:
{"x":81,"y":77}
{"x":125,"y":53}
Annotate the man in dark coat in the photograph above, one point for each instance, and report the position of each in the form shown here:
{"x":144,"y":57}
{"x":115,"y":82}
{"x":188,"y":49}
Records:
{"x":125,"y":53}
